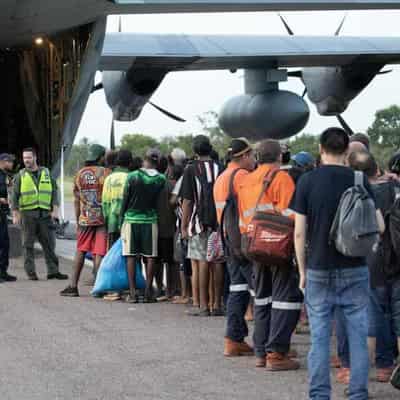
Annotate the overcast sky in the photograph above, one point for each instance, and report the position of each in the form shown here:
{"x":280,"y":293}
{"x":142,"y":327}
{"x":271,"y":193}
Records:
{"x":189,"y":94}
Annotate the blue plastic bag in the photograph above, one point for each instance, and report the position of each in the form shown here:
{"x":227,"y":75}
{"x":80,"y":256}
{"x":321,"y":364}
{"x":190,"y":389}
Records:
{"x":112,"y":275}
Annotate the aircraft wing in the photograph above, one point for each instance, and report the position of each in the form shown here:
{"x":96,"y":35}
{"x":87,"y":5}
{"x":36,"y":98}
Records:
{"x":170,"y":6}
{"x":122,"y":51}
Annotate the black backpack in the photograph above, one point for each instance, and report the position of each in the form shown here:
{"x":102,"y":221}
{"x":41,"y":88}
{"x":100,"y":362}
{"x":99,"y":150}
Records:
{"x":389,"y":249}
{"x":206,"y":172}
{"x":230,"y":232}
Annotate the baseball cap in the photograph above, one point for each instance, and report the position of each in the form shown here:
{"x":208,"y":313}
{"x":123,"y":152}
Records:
{"x":6,"y":157}
{"x":154,"y":154}
{"x":239,"y":147}
{"x":96,"y":151}
{"x":303,"y":158}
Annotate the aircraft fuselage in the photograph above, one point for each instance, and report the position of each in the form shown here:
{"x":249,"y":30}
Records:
{"x":21,"y":21}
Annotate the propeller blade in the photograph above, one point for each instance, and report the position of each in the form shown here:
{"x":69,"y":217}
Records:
{"x":295,"y":74}
{"x":345,"y":125}
{"x":120,"y":24}
{"x":388,"y":71}
{"x":304,"y":93}
{"x":289,"y":31}
{"x":112,"y":135}
{"x":167,"y":113}
{"x":338,"y":30}
{"x":97,"y":87}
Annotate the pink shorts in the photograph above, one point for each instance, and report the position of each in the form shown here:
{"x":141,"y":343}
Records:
{"x":92,"y":239}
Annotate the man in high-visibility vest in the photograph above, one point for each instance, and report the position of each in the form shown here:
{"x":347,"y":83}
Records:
{"x":240,"y":270}
{"x":35,"y":207}
{"x":278,"y":299}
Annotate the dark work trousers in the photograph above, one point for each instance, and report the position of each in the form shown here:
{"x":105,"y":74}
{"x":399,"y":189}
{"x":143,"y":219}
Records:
{"x":4,"y":243}
{"x":37,"y":225}
{"x":277,"y":304}
{"x":240,"y":274}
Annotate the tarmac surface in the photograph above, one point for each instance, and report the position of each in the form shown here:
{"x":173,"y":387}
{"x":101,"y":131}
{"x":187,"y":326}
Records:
{"x":56,"y":348}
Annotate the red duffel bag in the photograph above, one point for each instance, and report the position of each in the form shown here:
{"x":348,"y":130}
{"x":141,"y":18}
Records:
{"x":269,"y":238}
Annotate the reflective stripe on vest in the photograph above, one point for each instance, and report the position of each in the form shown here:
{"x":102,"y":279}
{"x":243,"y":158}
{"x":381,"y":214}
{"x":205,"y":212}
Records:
{"x":31,"y":197}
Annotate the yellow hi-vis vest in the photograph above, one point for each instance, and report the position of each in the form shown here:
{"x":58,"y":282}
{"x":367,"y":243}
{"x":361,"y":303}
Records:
{"x":33,"y":197}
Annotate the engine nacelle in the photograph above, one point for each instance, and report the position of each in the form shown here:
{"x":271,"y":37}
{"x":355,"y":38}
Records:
{"x":332,"y":89}
{"x":128,"y":92}
{"x":275,"y":114}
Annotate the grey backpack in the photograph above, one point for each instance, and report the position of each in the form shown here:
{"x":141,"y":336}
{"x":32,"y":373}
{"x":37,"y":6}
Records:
{"x":355,"y":230}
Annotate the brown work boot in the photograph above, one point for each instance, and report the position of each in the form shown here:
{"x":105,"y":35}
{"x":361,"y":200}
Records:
{"x":343,"y":376}
{"x":383,"y":374}
{"x":292,"y":354}
{"x":236,"y":349}
{"x":261,"y":362}
{"x":281,"y":362}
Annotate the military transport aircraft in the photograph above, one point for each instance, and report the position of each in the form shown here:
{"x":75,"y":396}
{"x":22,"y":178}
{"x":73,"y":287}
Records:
{"x":50,"y":51}
{"x":336,"y":70}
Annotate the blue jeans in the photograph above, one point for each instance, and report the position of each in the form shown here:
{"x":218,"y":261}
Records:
{"x":384,"y":325}
{"x":326,"y":291}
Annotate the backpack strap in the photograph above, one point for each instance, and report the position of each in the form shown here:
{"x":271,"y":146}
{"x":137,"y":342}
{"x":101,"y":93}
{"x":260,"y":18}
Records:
{"x":268,"y":179}
{"x":232,"y":180}
{"x":358,"y":178}
{"x":230,"y":196}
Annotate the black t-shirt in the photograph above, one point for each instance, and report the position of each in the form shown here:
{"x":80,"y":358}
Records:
{"x":317,"y":196}
{"x":385,"y":195}
{"x":197,"y":184}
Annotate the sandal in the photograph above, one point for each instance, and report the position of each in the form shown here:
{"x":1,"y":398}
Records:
{"x":181,"y":300}
{"x":162,"y":299}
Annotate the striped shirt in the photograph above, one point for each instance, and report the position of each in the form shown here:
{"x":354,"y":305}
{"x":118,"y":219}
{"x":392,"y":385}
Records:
{"x":197,"y":187}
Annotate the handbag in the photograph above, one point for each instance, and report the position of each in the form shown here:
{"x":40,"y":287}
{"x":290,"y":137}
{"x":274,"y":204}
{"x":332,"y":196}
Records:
{"x":215,"y":248}
{"x":269,"y":239}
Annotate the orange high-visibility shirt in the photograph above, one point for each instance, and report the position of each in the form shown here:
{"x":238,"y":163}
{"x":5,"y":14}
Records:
{"x":278,"y":195}
{"x":221,"y":186}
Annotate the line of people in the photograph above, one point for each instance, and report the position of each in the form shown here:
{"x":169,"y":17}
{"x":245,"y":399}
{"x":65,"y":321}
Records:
{"x":195,"y":218}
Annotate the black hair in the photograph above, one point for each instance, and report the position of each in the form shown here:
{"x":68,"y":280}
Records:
{"x":137,"y":163}
{"x":162,"y":165}
{"x":202,"y":146}
{"x":285,"y":157}
{"x":177,"y":171}
{"x":110,"y":158}
{"x":334,"y":141}
{"x":29,"y":150}
{"x":394,"y":164}
{"x":124,"y":158}
{"x":214,"y":155}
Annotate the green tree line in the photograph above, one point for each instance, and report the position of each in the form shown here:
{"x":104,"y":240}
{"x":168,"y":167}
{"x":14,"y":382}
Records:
{"x":384,"y":134}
